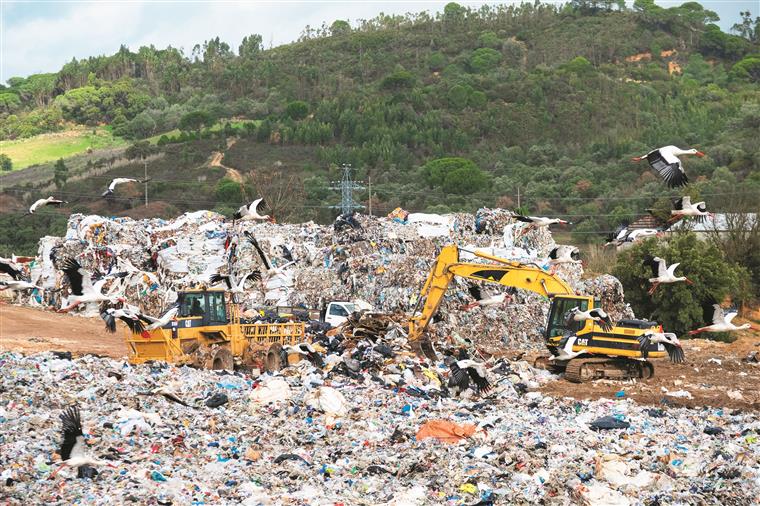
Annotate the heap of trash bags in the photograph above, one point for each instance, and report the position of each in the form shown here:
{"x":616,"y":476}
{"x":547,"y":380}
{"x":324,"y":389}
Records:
{"x":370,"y":427}
{"x":382,"y":261}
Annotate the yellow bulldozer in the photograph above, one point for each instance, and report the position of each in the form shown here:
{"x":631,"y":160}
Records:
{"x":209,"y":332}
{"x":614,"y":354}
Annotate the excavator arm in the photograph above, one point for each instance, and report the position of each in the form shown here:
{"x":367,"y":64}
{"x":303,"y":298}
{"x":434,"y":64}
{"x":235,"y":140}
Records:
{"x":502,"y":271}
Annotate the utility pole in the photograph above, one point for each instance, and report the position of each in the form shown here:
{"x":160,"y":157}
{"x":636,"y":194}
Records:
{"x":369,"y":184}
{"x":346,"y":186}
{"x":518,"y":197}
{"x":145,"y":179}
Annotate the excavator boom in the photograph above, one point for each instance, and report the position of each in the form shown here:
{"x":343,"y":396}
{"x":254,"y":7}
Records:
{"x":503,"y":272}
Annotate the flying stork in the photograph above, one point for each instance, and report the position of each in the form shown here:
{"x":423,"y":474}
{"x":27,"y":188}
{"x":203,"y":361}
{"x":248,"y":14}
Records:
{"x":683,"y":208}
{"x":564,"y":255}
{"x":597,"y":315}
{"x":487,"y":299}
{"x":83,"y":290}
{"x":121,"y":180}
{"x":50,"y":201}
{"x":719,"y":320}
{"x":72,"y":448}
{"x":462,"y":371}
{"x":662,"y":273}
{"x":251,"y":212}
{"x":565,"y":349}
{"x":668,"y":339}
{"x":535,"y":222}
{"x":666,"y":163}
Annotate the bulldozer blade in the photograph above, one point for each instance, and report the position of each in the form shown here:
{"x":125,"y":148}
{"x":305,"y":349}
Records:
{"x":424,"y":348}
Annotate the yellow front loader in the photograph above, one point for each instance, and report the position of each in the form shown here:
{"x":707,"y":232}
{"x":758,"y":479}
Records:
{"x":209,"y":332}
{"x":614,"y":354}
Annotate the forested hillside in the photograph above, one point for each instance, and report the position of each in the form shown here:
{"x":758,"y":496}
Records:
{"x":542,"y":100}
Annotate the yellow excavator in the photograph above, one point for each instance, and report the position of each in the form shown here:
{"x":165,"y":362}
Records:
{"x":613,"y":354}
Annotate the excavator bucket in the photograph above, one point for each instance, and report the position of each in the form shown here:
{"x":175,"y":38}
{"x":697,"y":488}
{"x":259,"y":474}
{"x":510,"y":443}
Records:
{"x":424,"y":348}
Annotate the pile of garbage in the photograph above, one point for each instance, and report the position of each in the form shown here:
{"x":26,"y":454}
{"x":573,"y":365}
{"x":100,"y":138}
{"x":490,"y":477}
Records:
{"x":383,"y":261}
{"x":383,"y":436}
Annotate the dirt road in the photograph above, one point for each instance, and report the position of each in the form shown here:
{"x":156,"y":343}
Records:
{"x":715,"y":374}
{"x":32,"y":330}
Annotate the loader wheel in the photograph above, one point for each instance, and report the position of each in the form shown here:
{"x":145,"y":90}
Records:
{"x":647,"y":370}
{"x":273,"y":362}
{"x":222,"y":359}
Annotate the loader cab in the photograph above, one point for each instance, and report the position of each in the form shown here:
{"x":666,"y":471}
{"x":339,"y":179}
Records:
{"x":202,"y":308}
{"x":561,"y":304}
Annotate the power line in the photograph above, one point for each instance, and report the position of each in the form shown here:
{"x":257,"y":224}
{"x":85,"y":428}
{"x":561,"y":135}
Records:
{"x":347,"y":186}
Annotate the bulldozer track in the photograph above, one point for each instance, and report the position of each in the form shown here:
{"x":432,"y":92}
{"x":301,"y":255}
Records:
{"x":581,"y":370}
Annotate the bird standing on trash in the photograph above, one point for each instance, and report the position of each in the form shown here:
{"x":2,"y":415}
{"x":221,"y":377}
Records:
{"x":662,"y":273}
{"x":121,"y":180}
{"x":72,"y":448}
{"x":564,"y":255}
{"x":597,"y":315}
{"x":306,"y":350}
{"x":667,"y":339}
{"x":462,"y":371}
{"x":666,"y":163}
{"x":251,"y":212}
{"x":50,"y":201}
{"x":718,"y":319}
{"x":83,"y":289}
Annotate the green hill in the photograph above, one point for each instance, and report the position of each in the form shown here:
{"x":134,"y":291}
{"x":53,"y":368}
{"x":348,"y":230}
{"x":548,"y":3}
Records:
{"x":548,"y":102}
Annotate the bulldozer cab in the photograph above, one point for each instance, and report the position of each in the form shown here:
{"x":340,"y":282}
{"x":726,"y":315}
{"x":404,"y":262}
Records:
{"x":202,"y":308}
{"x":561,"y":304}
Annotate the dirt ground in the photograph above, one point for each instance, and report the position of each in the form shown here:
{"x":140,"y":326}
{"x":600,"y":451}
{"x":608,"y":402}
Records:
{"x":712,"y":370}
{"x":714,"y":373}
{"x":32,"y":330}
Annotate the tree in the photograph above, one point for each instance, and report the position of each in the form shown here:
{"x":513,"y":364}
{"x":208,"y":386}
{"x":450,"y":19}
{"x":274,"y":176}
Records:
{"x":748,"y":28}
{"x":281,"y":192}
{"x":140,"y":150}
{"x":250,"y":46}
{"x":678,"y":306}
{"x":340,"y":27}
{"x":484,"y":59}
{"x":455,"y":175}
{"x":297,"y":110}
{"x":228,"y":191}
{"x":60,"y":173}
{"x":398,"y":80}
{"x":748,"y":68}
{"x":5,"y":163}
{"x":195,"y":120}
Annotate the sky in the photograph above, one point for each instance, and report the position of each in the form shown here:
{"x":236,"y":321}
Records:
{"x":41,"y":35}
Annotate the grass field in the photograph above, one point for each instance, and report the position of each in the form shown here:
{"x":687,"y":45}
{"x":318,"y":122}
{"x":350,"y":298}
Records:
{"x":47,"y":147}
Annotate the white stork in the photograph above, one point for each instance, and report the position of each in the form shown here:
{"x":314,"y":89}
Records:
{"x":683,"y":208}
{"x":50,"y":201}
{"x":307,"y":350}
{"x":597,"y":315}
{"x":666,"y":163}
{"x":535,"y":222}
{"x":157,"y":323}
{"x":132,"y":320}
{"x":121,"y":180}
{"x":487,"y":299}
{"x":565,"y":351}
{"x":623,"y":235}
{"x":662,"y":273}
{"x":462,"y":371}
{"x":251,"y":212}
{"x":234,"y":285}
{"x":11,"y":268}
{"x":19,"y":286}
{"x":719,"y":319}
{"x":668,"y":339}
{"x":82,"y":289}
{"x":564,"y":255}
{"x":72,"y":448}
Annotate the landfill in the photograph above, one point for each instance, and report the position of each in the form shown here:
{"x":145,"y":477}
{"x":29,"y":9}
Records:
{"x":311,"y":436}
{"x":382,"y":261}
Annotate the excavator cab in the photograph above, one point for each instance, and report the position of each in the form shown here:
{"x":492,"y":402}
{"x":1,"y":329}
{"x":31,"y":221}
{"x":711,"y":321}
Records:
{"x":561,"y":304}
